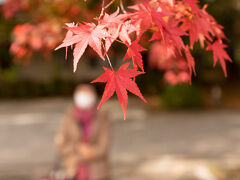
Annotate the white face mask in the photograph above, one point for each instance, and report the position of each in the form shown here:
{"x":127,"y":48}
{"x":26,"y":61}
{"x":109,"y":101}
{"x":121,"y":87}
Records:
{"x":84,"y":100}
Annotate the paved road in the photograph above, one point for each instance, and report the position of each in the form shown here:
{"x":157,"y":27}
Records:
{"x":148,"y":145}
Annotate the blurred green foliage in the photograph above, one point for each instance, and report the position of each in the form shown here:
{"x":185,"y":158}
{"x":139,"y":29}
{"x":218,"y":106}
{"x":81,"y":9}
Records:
{"x":29,"y":89}
{"x":9,"y":75}
{"x":182,"y":96}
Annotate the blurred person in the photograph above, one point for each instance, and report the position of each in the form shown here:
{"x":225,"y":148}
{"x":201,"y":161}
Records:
{"x":83,"y":138}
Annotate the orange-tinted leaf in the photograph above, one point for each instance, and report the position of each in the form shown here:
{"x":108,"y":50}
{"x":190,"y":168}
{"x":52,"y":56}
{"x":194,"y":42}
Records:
{"x":190,"y":61}
{"x":218,"y":49}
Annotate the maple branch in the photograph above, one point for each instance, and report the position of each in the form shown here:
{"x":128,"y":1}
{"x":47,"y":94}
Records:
{"x":109,"y":62}
{"x":109,"y":4}
{"x":122,"y":7}
{"x":102,"y":10}
{"x":105,"y":7}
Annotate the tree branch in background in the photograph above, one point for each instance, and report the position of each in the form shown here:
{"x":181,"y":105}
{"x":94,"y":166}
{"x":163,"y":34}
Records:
{"x":122,"y":7}
{"x":105,"y":7}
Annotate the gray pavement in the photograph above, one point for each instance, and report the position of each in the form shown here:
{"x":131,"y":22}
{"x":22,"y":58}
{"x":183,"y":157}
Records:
{"x":148,"y":145}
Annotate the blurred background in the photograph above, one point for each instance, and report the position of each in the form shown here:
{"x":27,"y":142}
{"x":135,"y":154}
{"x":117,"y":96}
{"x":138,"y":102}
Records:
{"x":183,"y":132}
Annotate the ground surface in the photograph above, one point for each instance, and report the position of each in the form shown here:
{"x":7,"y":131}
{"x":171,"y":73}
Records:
{"x":147,"y":146}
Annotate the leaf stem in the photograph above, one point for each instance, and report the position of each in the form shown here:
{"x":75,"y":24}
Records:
{"x":109,"y":62}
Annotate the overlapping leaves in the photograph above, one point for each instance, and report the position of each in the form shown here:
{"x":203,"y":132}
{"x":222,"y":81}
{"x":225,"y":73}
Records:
{"x":168,"y":20}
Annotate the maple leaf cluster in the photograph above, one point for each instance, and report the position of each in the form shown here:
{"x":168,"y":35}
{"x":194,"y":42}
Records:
{"x":40,"y":28}
{"x":175,"y":68}
{"x":168,"y":21}
{"x":30,"y":37}
{"x":11,"y":7}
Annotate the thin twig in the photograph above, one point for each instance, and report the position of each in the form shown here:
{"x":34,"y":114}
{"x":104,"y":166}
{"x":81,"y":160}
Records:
{"x":109,"y":62}
{"x":122,"y":7}
{"x":109,"y":4}
{"x":105,"y":54}
{"x":105,"y":7}
{"x":102,"y":10}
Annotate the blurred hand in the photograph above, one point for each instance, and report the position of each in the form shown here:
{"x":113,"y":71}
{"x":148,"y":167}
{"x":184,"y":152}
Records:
{"x":85,"y":150}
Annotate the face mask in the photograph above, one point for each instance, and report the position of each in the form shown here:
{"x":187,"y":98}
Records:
{"x":84,"y":100}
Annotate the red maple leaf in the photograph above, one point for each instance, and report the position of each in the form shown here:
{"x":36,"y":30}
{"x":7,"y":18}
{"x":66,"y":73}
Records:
{"x":190,"y":61}
{"x":170,"y":34}
{"x":141,"y":18}
{"x":68,"y":35}
{"x":218,"y":49}
{"x":194,"y":5}
{"x":119,"y":81}
{"x":115,"y":25}
{"x":134,"y":52}
{"x":158,"y":15}
{"x":200,"y":25}
{"x":84,"y":35}
{"x":199,"y":29}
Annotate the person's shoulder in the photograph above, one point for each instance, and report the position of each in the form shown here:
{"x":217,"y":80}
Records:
{"x":68,"y":114}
